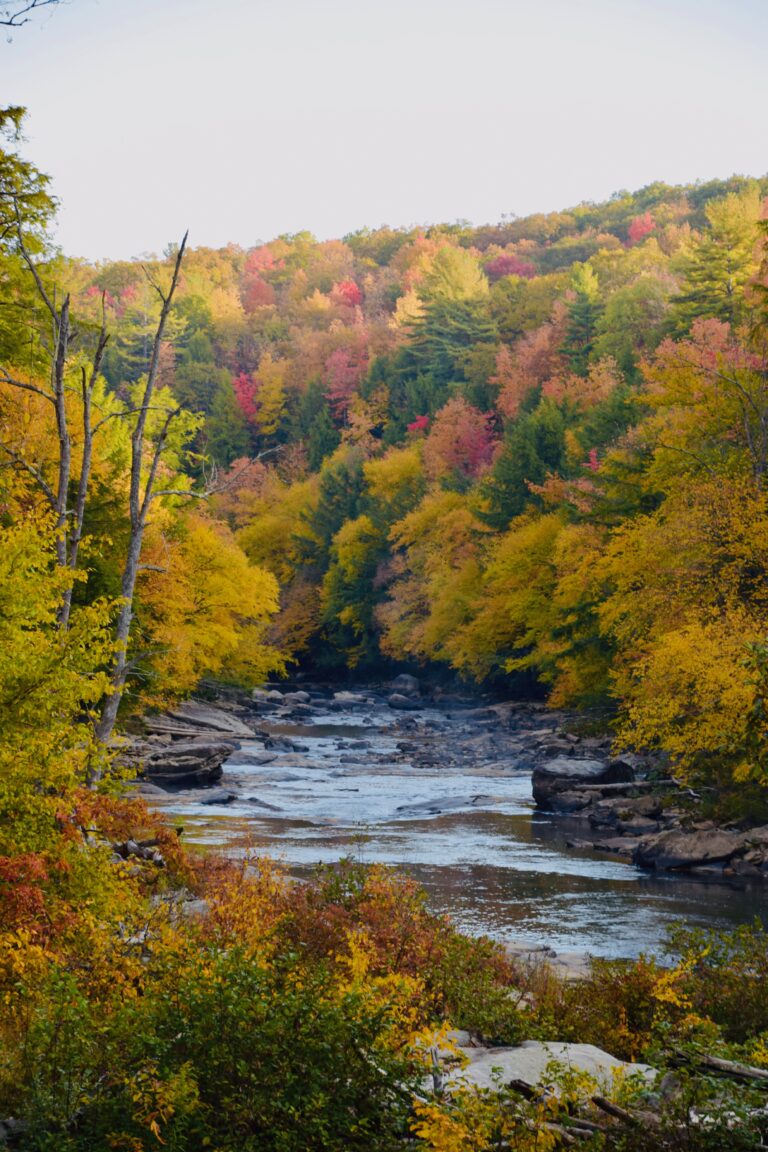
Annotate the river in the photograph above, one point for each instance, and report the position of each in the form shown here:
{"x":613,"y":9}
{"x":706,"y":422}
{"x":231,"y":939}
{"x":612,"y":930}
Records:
{"x":448,"y":800}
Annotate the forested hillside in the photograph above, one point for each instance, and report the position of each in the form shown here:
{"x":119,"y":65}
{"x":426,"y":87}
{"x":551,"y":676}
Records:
{"x":531,"y":452}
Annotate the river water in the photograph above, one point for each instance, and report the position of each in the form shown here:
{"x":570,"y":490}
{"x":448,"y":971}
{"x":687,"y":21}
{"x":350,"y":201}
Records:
{"x":468,"y":831}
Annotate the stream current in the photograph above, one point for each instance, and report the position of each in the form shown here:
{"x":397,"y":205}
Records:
{"x":342,"y":784}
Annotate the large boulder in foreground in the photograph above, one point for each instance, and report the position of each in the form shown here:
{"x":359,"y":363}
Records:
{"x":529,"y":1062}
{"x":566,"y":773}
{"x":186,"y":763}
{"x":680,"y":850}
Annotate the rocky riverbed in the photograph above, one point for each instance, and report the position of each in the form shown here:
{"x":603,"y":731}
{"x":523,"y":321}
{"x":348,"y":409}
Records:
{"x":516,"y":822}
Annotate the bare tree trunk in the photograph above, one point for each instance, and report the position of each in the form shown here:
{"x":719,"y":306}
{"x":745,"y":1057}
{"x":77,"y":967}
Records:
{"x":88,"y":384}
{"x":139,"y":505}
{"x":70,"y":522}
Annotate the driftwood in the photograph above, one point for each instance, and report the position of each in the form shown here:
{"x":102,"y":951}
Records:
{"x":616,"y":1112}
{"x":720,"y":1067}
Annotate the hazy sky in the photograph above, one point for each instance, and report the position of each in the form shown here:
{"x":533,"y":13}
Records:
{"x":242,"y":119}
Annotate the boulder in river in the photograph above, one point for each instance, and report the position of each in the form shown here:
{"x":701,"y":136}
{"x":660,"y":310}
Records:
{"x":680,"y":850}
{"x":406,"y":685}
{"x":439,"y":804}
{"x":618,"y":811}
{"x":566,"y":773}
{"x":187,"y":763}
{"x":297,"y":698}
{"x":255,"y":759}
{"x":350,"y":700}
{"x":403,"y":703}
{"x":220,"y":796}
{"x":567,"y":803}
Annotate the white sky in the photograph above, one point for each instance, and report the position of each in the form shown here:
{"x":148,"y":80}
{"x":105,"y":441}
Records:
{"x":242,"y":119}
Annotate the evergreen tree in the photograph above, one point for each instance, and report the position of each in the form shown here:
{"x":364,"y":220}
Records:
{"x":226,"y":433}
{"x":583,"y":314}
{"x":340,"y":495}
{"x":533,"y":446}
{"x":311,"y":422}
{"x":721,"y":262}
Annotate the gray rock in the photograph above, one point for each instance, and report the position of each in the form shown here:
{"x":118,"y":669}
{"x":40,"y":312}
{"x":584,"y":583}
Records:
{"x":186,"y":764}
{"x":403,"y":703}
{"x":614,"y":811}
{"x":620,"y":845}
{"x":442,"y":804}
{"x":745,"y":868}
{"x":529,"y":1062}
{"x":220,"y":797}
{"x":350,"y":699}
{"x":301,"y":710}
{"x":144,"y":788}
{"x":406,"y":685}
{"x":285,"y":744}
{"x":677,"y":849}
{"x":251,"y":758}
{"x":297,"y":698}
{"x":638,"y":826}
{"x":480,"y":714}
{"x":213,"y":719}
{"x":566,"y":802}
{"x":262,"y":804}
{"x":565,"y":773}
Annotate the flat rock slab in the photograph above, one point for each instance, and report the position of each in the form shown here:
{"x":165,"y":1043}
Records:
{"x":185,"y":764}
{"x":529,"y":1062}
{"x":567,"y":965}
{"x":214,"y":719}
{"x":681,"y":850}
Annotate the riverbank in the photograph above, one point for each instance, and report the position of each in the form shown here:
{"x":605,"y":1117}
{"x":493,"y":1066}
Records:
{"x":441,"y":789}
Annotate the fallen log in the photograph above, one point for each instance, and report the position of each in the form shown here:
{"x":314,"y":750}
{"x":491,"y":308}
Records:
{"x":718,"y":1066}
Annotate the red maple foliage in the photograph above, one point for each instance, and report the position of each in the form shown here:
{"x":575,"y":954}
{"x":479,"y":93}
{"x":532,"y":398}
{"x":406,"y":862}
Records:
{"x":245,"y":393}
{"x":420,"y":424}
{"x":509,"y":265}
{"x":640,"y":227}
{"x":22,"y":900}
{"x":344,"y":370}
{"x":255,"y":291}
{"x":347,"y":294}
{"x":462,"y":440}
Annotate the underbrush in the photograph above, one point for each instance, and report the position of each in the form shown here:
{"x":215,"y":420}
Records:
{"x":181,"y":1002}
